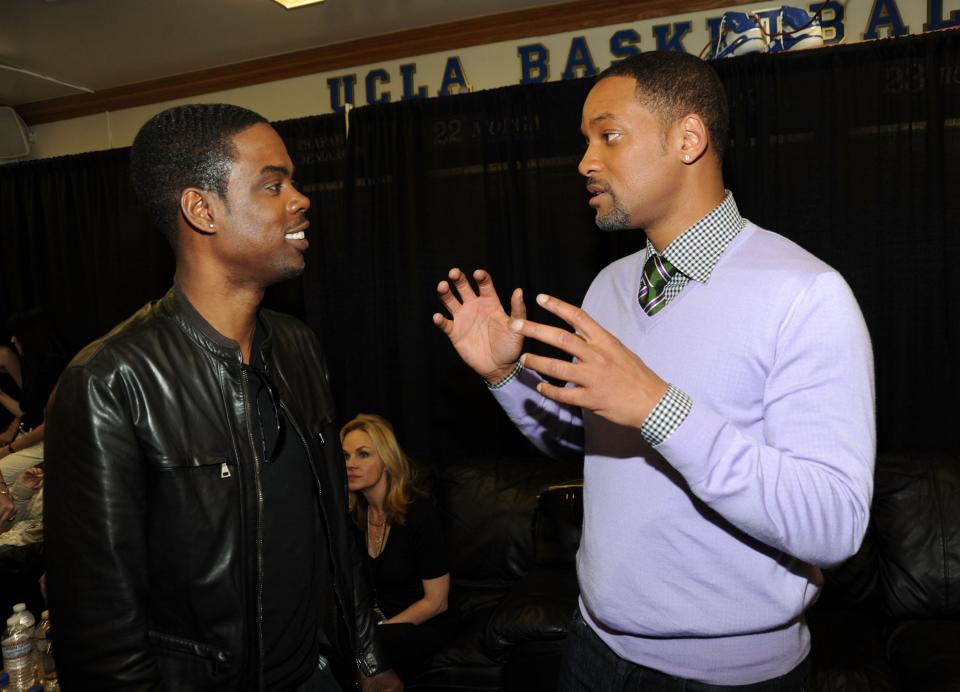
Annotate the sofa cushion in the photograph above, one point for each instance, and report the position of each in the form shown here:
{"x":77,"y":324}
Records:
{"x":537,"y":608}
{"x":916,"y":520}
{"x":462,"y":664}
{"x":926,"y":655}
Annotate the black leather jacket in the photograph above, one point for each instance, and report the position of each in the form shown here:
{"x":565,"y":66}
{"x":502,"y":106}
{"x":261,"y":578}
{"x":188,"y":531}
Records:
{"x":153,"y":505}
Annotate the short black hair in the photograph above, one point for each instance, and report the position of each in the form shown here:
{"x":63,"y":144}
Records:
{"x":671,"y":84}
{"x":181,"y":147}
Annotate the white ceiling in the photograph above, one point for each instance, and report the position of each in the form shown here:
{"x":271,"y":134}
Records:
{"x":100,"y":44}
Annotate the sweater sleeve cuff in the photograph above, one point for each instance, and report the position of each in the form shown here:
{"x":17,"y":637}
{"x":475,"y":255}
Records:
{"x":672,"y":409}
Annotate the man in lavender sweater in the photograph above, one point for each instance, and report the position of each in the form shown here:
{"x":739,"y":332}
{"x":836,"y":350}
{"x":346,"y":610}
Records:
{"x":726,"y":418}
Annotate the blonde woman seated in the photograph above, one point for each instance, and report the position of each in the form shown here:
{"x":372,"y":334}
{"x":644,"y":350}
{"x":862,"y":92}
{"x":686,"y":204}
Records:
{"x":406,"y":549}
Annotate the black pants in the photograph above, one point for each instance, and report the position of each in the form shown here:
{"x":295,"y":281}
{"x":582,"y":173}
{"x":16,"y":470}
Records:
{"x":589,"y":665}
{"x":405,"y":646}
{"x":322,"y":680}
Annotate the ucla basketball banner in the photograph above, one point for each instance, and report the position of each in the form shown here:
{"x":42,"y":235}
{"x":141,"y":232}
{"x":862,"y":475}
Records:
{"x":712,"y":34}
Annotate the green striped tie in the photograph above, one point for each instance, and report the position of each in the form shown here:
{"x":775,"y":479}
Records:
{"x":656,"y":273}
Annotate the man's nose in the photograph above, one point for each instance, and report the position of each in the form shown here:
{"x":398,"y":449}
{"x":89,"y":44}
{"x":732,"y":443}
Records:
{"x":588,"y":164}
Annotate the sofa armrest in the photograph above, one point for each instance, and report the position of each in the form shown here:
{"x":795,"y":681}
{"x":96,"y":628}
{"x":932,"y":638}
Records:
{"x":557,"y":524}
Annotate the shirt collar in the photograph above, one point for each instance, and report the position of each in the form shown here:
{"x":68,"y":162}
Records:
{"x":696,"y":251}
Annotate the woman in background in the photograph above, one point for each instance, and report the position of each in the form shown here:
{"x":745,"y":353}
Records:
{"x":405,"y":545}
{"x":42,"y":358}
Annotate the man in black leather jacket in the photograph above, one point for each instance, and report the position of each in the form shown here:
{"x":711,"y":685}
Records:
{"x":197,"y":529}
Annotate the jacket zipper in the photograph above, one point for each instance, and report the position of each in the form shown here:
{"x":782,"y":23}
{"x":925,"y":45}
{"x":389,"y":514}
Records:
{"x":256,"y":476}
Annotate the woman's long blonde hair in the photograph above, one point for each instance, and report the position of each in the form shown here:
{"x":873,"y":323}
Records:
{"x":400,"y":486}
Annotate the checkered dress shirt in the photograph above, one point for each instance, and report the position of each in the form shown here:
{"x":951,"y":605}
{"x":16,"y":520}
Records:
{"x":694,"y":253}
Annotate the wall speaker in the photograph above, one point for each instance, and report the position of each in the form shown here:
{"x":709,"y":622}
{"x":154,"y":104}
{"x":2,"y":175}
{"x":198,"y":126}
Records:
{"x":14,"y":139}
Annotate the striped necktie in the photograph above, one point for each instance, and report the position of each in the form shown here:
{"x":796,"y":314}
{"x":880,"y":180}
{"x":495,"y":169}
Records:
{"x":656,"y":273}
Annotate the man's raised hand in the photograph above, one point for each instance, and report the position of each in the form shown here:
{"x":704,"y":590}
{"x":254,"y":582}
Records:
{"x":478,"y":327}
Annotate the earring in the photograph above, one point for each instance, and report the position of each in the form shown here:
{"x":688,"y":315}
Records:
{"x":211,"y":225}
{"x":686,"y":158}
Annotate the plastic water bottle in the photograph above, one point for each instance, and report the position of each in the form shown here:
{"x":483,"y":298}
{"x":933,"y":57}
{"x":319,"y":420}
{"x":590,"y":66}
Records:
{"x":26,"y":617}
{"x":44,"y":648}
{"x":18,"y":654}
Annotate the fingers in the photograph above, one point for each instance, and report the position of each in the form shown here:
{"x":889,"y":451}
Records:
{"x":572,"y":315}
{"x":551,"y":367}
{"x":563,"y":395}
{"x":462,"y":284}
{"x":484,"y":283}
{"x":445,"y":325}
{"x":452,"y":300}
{"x":446,"y":296}
{"x":553,"y":336}
{"x":518,"y":310}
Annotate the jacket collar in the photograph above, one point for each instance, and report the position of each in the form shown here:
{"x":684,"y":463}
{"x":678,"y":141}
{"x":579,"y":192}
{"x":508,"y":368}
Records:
{"x":193,"y":324}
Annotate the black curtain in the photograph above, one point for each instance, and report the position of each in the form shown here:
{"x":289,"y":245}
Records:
{"x":851,"y":151}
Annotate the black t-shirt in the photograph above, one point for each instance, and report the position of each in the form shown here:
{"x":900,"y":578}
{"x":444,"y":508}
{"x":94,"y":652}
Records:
{"x":296,"y":567}
{"x":415,"y":550}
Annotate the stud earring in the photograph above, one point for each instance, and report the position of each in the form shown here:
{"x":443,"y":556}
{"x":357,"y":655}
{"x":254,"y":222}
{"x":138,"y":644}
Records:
{"x":211,"y":225}
{"x":686,"y":158}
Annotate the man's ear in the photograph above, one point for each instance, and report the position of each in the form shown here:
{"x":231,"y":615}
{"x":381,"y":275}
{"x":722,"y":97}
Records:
{"x":695,"y":137}
{"x":195,"y":208}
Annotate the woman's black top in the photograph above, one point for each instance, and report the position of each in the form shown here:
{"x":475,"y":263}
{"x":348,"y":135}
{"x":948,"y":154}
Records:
{"x":414,"y":551}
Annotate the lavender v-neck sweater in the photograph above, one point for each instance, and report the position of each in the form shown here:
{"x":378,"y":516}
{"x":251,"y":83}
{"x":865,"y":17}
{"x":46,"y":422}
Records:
{"x":699,"y":556}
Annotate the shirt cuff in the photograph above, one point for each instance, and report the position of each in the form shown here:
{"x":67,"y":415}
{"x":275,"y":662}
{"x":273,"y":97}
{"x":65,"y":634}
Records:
{"x":506,"y":380}
{"x":672,"y":409}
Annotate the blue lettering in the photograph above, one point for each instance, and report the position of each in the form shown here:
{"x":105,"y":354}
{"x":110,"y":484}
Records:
{"x":348,"y":82}
{"x":671,"y":41}
{"x":534,"y":63}
{"x":624,"y":43}
{"x":374,"y":76}
{"x":713,"y":28}
{"x":885,"y":13}
{"x":831,"y":20}
{"x":408,"y":72}
{"x":935,"y":18}
{"x":453,"y":76}
{"x":579,"y":60}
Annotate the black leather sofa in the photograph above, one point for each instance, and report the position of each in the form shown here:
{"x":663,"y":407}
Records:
{"x":887,"y":619}
{"x":513,"y":525}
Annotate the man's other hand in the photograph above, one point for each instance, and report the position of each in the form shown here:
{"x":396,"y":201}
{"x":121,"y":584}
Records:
{"x":611,"y":380}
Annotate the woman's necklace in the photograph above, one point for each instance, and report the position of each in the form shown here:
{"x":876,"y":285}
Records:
{"x":378,"y":536}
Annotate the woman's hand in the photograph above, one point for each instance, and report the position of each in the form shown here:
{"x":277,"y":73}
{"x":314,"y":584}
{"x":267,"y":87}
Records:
{"x":32,"y":478}
{"x":7,"y":510}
